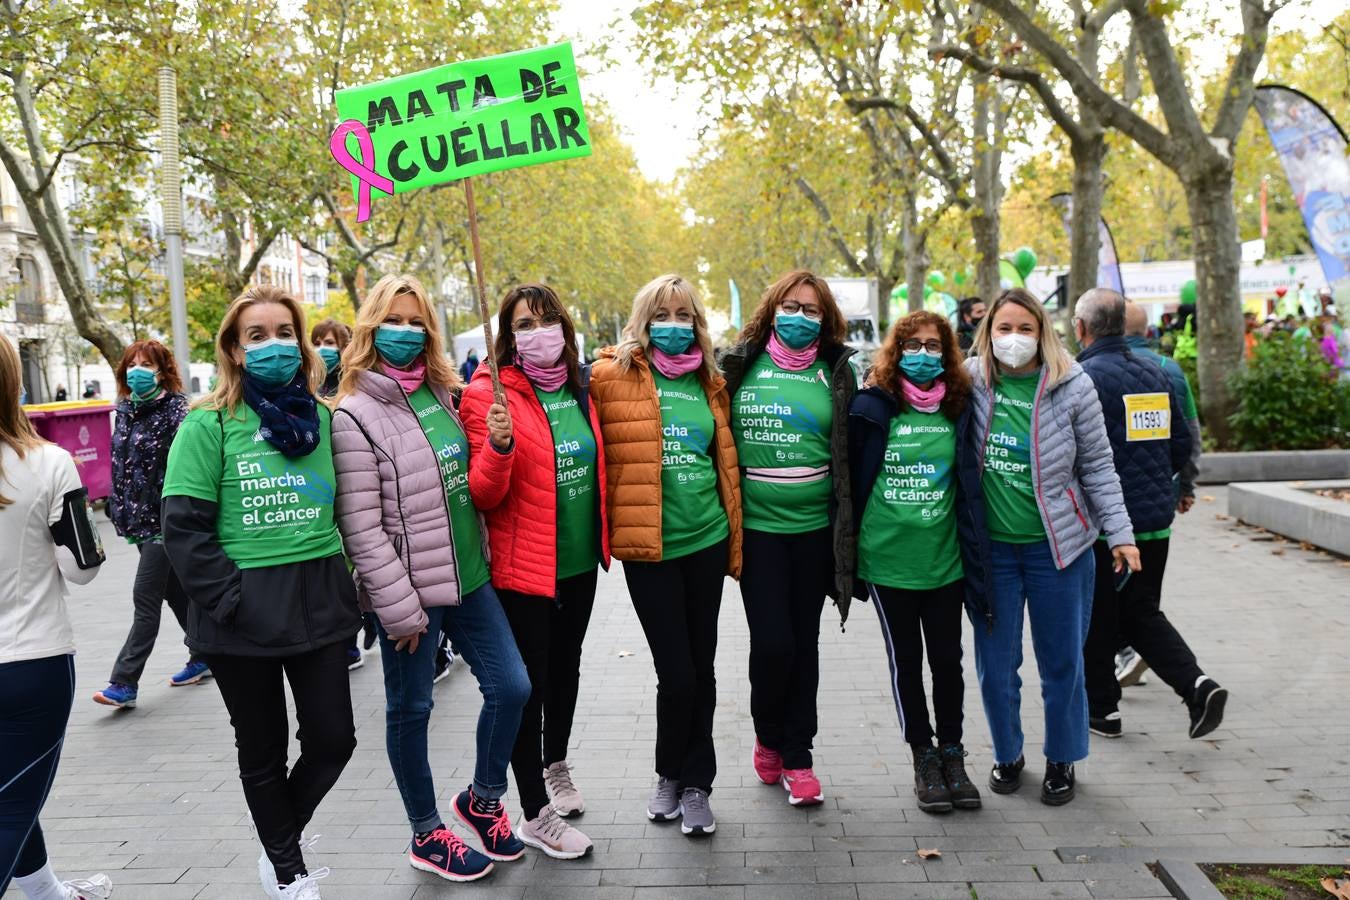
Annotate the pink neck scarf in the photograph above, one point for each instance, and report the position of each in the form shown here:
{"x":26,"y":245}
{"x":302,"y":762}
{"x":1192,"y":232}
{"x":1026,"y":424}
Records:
{"x":924,"y":401}
{"x":786,"y":358}
{"x":410,"y":378}
{"x":547,"y":378}
{"x":673,"y":365}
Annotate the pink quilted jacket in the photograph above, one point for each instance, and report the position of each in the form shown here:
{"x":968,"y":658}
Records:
{"x":391,"y":506}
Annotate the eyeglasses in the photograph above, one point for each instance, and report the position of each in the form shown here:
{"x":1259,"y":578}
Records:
{"x":547,"y":320}
{"x":792,"y":307}
{"x":914,"y":346}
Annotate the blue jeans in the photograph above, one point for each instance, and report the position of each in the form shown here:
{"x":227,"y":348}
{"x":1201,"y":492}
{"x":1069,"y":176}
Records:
{"x":1060,"y":605}
{"x":482,"y":637}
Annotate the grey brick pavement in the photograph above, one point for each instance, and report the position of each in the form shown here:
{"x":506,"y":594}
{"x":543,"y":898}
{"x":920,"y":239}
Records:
{"x":150,"y":796}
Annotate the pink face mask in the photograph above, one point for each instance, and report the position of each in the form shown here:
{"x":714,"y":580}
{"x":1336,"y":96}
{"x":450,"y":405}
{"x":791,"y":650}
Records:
{"x":540,"y":346}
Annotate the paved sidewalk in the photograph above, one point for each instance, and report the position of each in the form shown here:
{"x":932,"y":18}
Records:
{"x":151,"y":796}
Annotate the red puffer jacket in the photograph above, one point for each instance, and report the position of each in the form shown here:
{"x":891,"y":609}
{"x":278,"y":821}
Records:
{"x":517,"y":490}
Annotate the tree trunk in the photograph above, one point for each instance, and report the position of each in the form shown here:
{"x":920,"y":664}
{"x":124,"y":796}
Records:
{"x":349,"y":284}
{"x":1209,"y":194}
{"x":984,"y":221}
{"x":1084,"y":232}
{"x":916,"y":252}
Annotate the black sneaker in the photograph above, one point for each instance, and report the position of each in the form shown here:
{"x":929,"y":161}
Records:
{"x":1057,"y":786}
{"x":444,"y":660}
{"x":1005,"y":778}
{"x":930,"y":787}
{"x":1106,"y":726}
{"x":371,"y":633}
{"x":965,"y":795}
{"x":442,"y":853}
{"x":1206,"y":706}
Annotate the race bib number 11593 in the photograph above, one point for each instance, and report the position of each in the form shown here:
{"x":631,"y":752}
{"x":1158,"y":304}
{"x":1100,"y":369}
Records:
{"x":1148,"y":417}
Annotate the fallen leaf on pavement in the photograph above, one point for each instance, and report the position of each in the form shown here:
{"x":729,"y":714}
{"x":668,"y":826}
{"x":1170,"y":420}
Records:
{"x":1221,"y":517}
{"x":1278,"y":551}
{"x":1337,"y":887}
{"x":937,"y":854}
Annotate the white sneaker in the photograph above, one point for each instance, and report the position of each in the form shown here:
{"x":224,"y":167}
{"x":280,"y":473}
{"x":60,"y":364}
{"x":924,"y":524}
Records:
{"x":304,"y":887}
{"x":267,"y":877}
{"x":99,"y":887}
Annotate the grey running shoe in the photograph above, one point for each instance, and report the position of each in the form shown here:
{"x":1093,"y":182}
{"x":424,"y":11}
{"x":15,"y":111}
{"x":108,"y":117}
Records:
{"x":696,"y":815}
{"x":665,"y":802}
{"x":1130,"y":668}
{"x":566,"y":798}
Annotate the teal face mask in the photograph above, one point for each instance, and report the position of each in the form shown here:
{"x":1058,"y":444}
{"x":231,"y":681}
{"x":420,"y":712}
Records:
{"x":671,"y":337}
{"x":920,"y":367}
{"x":400,"y":344}
{"x":795,"y":329}
{"x":331,"y":357}
{"x":274,"y":361}
{"x":142,"y":382}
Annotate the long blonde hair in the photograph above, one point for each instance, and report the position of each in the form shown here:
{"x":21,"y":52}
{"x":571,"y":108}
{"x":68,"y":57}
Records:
{"x":16,"y":431}
{"x":637,"y":334}
{"x":229,"y":390}
{"x":361,"y":355}
{"x":1053,"y":356}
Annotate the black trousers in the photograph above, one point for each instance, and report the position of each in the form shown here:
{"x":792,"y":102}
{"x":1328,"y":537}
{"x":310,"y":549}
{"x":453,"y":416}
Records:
{"x":549,"y":632}
{"x":937,"y":613}
{"x":282,"y":803}
{"x":1133,"y":616}
{"x":784,"y":580}
{"x":155,"y":585}
{"x":678,"y":601}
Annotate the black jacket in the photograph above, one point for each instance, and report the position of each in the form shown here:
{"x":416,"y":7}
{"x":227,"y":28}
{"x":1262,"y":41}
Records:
{"x":843,"y":385}
{"x":869,"y":425}
{"x":142,"y":434}
{"x":1146,"y":467}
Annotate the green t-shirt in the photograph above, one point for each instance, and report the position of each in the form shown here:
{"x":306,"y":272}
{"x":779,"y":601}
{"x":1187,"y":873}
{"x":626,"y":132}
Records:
{"x":271,"y":510}
{"x":574,"y":461}
{"x":692,"y":516}
{"x":452,"y":453}
{"x":1008,"y":493}
{"x":781,"y":422}
{"x":908,"y":537}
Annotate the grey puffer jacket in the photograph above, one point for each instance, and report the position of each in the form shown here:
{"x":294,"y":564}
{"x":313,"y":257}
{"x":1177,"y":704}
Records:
{"x":391,"y":505}
{"x":1072,"y":468}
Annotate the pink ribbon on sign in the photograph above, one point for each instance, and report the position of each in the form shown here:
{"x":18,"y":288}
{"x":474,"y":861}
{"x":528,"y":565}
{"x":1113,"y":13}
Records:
{"x":363,"y":168}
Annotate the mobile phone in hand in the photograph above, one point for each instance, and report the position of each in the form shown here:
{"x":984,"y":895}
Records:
{"x":1123,"y":576}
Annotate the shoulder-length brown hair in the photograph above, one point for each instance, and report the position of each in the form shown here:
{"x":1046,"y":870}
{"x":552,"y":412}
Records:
{"x":541,"y":300}
{"x":886,"y":372}
{"x":361,"y":354}
{"x":833,"y":328}
{"x":229,"y":392}
{"x":16,"y":431}
{"x":162,"y":359}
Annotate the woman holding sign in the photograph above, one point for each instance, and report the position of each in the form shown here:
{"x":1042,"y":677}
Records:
{"x":411,"y":530}
{"x":543,"y":498}
{"x":790,"y":383}
{"x":1050,"y":487}
{"x":248,"y":526}
{"x":675,"y":521}
{"x":917,"y":550}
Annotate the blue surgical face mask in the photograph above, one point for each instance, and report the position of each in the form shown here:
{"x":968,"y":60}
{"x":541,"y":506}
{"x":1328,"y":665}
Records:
{"x":795,"y":329}
{"x":671,"y":337}
{"x":920,"y":366}
{"x":274,"y":361}
{"x":331,"y":357}
{"x":400,"y":344}
{"x":142,"y":381}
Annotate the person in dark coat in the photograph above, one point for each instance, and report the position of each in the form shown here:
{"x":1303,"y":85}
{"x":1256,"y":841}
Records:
{"x":469,"y":366}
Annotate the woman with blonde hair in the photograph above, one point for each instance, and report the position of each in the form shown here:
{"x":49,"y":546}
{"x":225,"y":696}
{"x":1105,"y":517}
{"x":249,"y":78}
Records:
{"x":417,"y":542}
{"x":1050,"y":488}
{"x":49,"y":540}
{"x":675,"y":521}
{"x":249,"y":528}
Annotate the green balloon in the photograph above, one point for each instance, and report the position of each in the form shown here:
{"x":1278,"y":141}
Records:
{"x":959,"y":278}
{"x":927,"y":289}
{"x":1188,"y":292}
{"x":1025,"y":261}
{"x":902,"y":291}
{"x":936,"y":279}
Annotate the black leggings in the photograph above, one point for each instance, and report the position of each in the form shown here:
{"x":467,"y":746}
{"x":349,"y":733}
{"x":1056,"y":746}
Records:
{"x":282,"y":804}
{"x":938,"y":613}
{"x":549,"y":634}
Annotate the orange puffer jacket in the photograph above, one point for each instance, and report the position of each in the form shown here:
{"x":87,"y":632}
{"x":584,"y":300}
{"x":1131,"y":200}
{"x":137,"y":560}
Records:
{"x":517,"y":490}
{"x":630,"y":417}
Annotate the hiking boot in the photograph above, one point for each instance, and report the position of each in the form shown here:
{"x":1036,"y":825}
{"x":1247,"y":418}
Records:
{"x":1106,"y":726}
{"x":1005,"y":778}
{"x":696,"y":815}
{"x":192,"y":673}
{"x":442,"y":853}
{"x":550,"y":832}
{"x":122,"y":696}
{"x":1130,"y":668}
{"x":965,"y":795}
{"x":1206,"y":706}
{"x":803,"y":787}
{"x":1057,"y":786}
{"x":665,"y":802}
{"x":564,"y":794}
{"x":930,"y":787}
{"x":768,"y":764}
{"x":489,"y":821}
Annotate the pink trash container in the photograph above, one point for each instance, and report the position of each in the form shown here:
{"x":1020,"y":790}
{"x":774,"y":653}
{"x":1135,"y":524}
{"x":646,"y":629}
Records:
{"x":84,"y":430}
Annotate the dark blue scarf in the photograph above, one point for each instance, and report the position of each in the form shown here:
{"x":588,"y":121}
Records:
{"x":290,"y":414}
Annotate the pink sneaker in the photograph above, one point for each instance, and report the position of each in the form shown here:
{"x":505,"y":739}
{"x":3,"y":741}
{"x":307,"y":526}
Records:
{"x":803,"y":787}
{"x":768,"y":764}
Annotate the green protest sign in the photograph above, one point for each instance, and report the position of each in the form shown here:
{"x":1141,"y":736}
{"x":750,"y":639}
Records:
{"x":458,"y":120}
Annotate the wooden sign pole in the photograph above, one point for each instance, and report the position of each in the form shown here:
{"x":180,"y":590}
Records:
{"x":483,"y":313}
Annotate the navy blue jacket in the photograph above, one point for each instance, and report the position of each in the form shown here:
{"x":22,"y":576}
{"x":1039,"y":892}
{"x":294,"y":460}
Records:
{"x":869,"y":425}
{"x":142,"y":433}
{"x":1145,"y":467}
